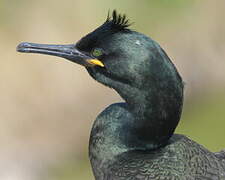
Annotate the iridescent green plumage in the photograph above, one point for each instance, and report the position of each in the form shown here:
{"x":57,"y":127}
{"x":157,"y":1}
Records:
{"x":134,"y":140}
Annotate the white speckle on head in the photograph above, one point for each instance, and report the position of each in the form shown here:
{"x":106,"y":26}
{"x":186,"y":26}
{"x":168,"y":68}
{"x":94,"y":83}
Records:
{"x":138,"y":42}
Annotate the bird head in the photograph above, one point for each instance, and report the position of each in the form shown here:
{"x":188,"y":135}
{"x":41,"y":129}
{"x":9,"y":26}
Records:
{"x":116,"y":56}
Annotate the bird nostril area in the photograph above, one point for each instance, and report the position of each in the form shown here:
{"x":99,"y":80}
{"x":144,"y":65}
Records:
{"x":25,"y":44}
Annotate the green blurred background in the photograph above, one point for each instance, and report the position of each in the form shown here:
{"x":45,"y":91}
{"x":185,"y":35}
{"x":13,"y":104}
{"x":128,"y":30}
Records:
{"x":48,"y":104}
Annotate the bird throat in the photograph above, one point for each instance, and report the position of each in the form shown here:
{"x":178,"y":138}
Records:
{"x":156,"y":113}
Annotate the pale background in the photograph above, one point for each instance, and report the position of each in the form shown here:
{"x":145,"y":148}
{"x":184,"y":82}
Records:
{"x":48,"y":105}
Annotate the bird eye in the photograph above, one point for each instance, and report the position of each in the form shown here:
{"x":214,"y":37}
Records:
{"x":97,"y":52}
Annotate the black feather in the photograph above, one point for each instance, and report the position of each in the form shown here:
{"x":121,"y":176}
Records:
{"x":118,"y":22}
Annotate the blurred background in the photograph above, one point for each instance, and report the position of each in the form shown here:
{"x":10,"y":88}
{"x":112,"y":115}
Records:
{"x":48,"y":104}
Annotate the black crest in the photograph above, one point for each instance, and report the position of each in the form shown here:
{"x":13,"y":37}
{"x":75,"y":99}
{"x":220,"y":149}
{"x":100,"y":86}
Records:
{"x":118,"y":21}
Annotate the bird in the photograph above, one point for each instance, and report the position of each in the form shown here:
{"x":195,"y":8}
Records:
{"x":135,"y":139}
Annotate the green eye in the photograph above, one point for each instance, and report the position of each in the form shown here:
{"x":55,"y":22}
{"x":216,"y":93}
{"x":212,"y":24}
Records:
{"x":97,"y":52}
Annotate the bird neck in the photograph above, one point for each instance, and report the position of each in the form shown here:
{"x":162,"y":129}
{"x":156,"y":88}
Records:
{"x":145,"y":121}
{"x":156,"y":112}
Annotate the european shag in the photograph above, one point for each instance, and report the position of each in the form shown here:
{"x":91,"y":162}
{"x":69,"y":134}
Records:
{"x":135,"y":140}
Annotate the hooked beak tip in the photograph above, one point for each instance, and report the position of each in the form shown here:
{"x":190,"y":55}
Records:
{"x":21,"y":47}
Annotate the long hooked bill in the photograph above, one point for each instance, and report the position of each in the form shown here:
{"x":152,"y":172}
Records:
{"x":68,"y":51}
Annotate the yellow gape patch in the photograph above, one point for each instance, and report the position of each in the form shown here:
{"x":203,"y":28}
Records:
{"x":95,"y":62}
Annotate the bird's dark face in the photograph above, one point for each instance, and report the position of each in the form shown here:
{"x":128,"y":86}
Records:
{"x":125,"y":56}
